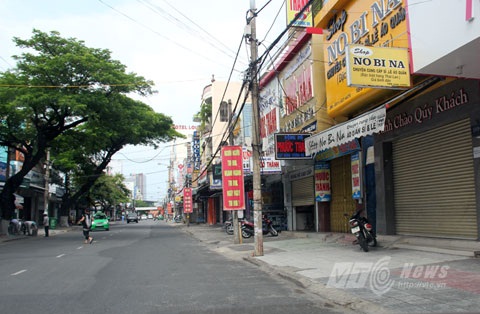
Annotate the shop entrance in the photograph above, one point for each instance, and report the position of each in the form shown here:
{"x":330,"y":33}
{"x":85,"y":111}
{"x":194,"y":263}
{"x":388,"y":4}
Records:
{"x":342,"y":201}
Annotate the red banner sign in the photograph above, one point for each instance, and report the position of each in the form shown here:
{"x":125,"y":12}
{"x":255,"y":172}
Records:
{"x":187,"y":201}
{"x":232,"y":178}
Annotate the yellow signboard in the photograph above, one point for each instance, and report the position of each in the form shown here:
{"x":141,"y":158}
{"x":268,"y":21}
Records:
{"x":293,"y":9}
{"x":371,"y":23}
{"x":382,"y":67}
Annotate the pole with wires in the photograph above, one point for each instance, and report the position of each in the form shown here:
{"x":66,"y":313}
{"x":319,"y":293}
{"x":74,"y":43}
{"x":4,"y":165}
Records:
{"x":237,"y":238}
{"x":257,"y":188}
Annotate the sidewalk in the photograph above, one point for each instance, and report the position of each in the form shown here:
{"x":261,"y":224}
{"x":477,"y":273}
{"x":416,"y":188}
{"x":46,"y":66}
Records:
{"x":403,"y":274}
{"x":40,"y":233}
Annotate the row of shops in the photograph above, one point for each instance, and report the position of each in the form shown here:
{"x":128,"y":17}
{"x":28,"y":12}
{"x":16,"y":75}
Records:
{"x":420,"y":176}
{"x":353,"y":124}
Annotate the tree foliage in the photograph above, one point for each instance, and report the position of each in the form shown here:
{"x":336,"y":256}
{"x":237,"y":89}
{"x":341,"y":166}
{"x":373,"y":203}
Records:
{"x":107,"y":192}
{"x":75,"y":100}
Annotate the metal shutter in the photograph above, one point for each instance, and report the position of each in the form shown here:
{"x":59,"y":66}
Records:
{"x":303,"y":193}
{"x":342,"y":201}
{"x":434,"y":187}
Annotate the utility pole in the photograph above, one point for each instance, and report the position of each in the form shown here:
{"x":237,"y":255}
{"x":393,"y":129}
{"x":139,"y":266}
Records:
{"x":257,"y":186}
{"x":237,"y":238}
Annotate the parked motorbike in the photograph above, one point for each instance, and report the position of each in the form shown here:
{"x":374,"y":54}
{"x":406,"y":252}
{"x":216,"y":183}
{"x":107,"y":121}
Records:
{"x":16,"y":226}
{"x":363,"y":230}
{"x":248,"y":229}
{"x":229,"y":225}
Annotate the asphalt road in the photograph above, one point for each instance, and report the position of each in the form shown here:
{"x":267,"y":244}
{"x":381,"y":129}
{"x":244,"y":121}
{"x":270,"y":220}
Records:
{"x":149,"y":267}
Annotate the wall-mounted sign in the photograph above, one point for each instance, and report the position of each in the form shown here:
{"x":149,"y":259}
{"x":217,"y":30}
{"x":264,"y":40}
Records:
{"x":366,"y":124}
{"x":369,"y":23}
{"x":382,"y":67}
{"x":232,"y":178}
{"x":293,"y":9}
{"x":356,"y":175}
{"x":323,"y":191}
{"x":338,"y":151}
{"x":291,"y":146}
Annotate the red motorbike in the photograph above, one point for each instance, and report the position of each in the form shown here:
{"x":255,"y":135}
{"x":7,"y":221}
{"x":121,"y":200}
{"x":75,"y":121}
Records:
{"x":248,"y":228}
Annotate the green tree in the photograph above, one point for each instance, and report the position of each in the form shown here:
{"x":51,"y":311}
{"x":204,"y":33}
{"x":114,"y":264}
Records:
{"x":60,"y":87}
{"x":129,"y":123}
{"x":107,"y":192}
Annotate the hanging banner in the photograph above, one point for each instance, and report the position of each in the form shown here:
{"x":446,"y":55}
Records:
{"x":232,"y":178}
{"x":366,"y":124}
{"x":323,"y":192}
{"x":187,"y":201}
{"x":356,"y":176}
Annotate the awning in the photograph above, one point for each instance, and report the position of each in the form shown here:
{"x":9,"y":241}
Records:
{"x":366,"y":124}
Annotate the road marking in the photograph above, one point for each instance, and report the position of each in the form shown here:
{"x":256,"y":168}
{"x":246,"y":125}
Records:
{"x":18,"y":272}
{"x":80,"y":247}
{"x":61,"y":255}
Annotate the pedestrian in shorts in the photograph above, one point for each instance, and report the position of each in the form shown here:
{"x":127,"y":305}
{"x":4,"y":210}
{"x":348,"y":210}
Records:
{"x":86,"y":221}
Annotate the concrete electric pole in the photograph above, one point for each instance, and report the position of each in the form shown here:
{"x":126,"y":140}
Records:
{"x":257,"y":186}
{"x":237,"y":232}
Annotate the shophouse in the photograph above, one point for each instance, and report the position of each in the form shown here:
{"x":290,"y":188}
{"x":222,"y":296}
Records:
{"x":222,"y":102}
{"x":292,"y":105}
{"x":408,"y":97}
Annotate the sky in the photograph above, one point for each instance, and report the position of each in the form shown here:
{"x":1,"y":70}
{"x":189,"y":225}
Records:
{"x":178,"y":45}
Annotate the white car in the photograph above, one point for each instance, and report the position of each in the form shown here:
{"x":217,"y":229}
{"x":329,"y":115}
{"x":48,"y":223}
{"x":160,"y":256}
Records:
{"x":150,"y":216}
{"x":143,"y":217}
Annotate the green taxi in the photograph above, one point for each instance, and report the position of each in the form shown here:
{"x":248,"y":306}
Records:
{"x":100,"y":221}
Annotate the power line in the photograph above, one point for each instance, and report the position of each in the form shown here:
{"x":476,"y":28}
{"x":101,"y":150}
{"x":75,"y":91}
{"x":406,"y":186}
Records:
{"x":156,"y":32}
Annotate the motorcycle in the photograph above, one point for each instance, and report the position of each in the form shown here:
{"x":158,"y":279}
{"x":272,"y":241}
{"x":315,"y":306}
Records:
{"x":229,"y":225}
{"x":363,"y":230}
{"x":248,"y":229}
{"x":16,"y":227}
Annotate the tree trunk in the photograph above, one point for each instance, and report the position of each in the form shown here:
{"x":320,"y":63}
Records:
{"x":7,"y":197}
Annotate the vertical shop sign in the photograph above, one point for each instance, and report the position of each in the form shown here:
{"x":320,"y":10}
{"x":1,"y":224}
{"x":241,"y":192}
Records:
{"x":232,"y":178}
{"x":323,"y":192}
{"x":187,"y":201}
{"x":356,"y":176}
{"x":196,"y":151}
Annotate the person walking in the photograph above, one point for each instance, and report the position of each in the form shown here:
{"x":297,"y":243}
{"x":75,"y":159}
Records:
{"x":86,"y":221}
{"x":46,"y":223}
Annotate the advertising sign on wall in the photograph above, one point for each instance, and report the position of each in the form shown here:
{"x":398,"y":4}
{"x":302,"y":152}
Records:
{"x":382,"y":67}
{"x":356,"y":176}
{"x":366,"y":124}
{"x":232,"y":178}
{"x":293,"y":9}
{"x":290,"y":146}
{"x":323,"y":192}
{"x":369,"y":23}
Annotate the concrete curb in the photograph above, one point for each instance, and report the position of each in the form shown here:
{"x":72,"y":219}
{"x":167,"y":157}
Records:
{"x":333,"y":296}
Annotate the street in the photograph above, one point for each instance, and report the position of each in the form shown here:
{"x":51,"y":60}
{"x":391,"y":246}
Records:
{"x":149,"y":267}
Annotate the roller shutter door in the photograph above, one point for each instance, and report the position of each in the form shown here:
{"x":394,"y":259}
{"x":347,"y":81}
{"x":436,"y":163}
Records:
{"x":434,"y":187}
{"x":342,"y":201}
{"x":303,"y":192}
